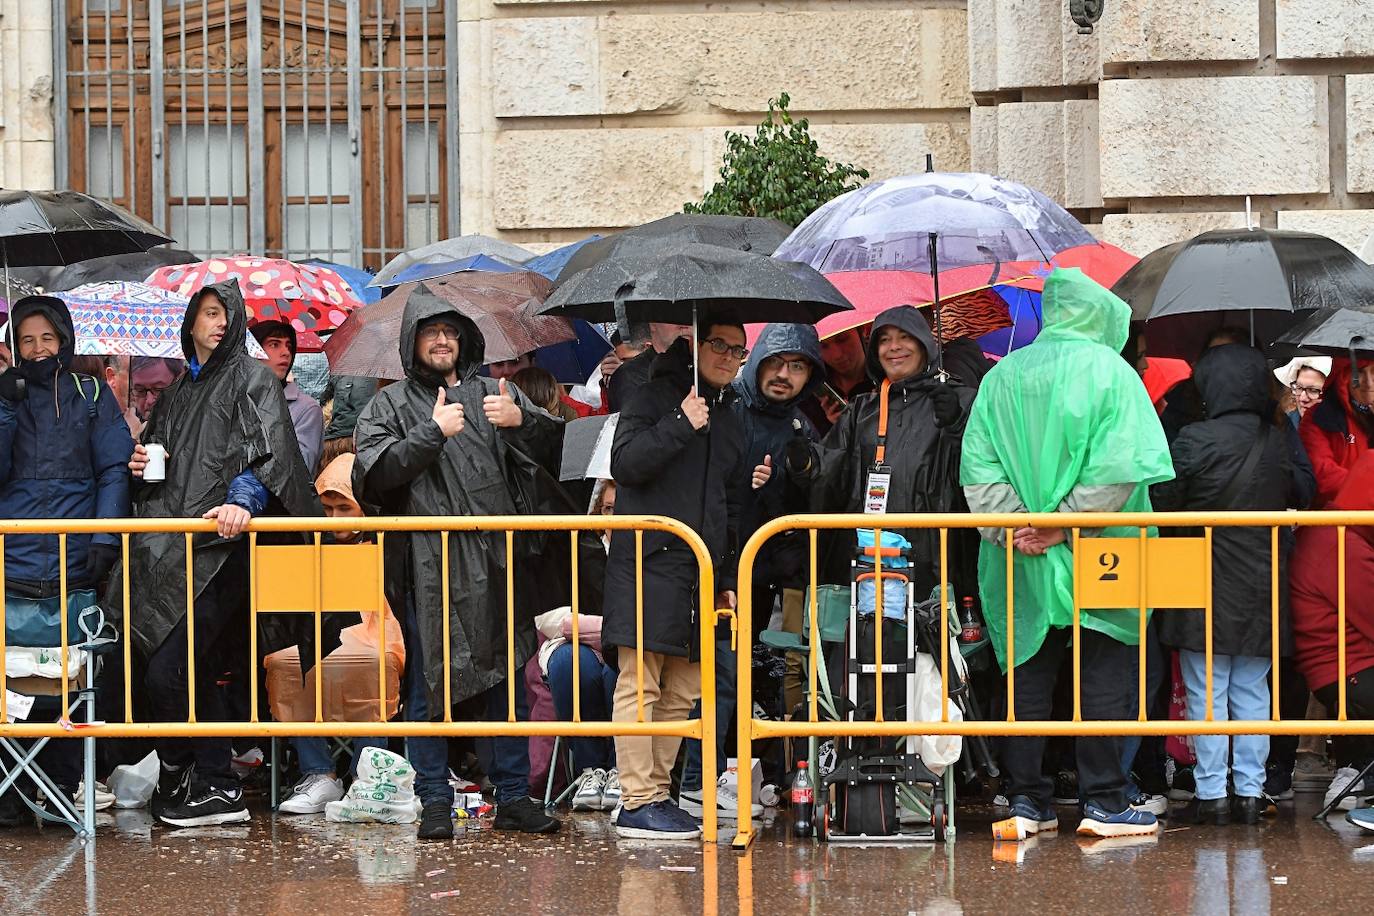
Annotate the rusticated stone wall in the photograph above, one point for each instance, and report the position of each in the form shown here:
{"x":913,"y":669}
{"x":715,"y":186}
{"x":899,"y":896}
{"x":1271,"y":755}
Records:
{"x":26,"y":82}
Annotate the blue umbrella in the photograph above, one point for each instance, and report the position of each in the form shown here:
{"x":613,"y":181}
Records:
{"x":416,"y":273}
{"x":1024,"y":307}
{"x":551,"y":264}
{"x":356,"y":277}
{"x":572,"y":362}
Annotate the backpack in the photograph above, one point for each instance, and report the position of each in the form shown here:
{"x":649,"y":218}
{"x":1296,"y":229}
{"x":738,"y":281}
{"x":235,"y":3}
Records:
{"x":92,"y":406}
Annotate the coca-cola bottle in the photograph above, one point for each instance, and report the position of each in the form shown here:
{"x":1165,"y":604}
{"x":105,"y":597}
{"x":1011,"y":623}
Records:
{"x":970,"y":630}
{"x":803,"y":800}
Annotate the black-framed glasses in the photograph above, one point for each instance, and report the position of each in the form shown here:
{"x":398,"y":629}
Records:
{"x":1305,"y":389}
{"x":793,"y":366}
{"x":722,"y":347}
{"x":434,"y":331}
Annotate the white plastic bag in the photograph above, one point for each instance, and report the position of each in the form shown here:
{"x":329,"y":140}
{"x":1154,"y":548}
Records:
{"x":133,"y":785}
{"x":383,"y":792}
{"x":937,"y":751}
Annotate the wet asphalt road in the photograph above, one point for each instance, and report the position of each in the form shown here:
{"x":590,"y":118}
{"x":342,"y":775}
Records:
{"x":303,"y":865}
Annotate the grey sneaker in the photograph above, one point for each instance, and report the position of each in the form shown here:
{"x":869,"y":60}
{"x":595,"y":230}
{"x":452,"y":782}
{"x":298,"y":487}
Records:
{"x":590,"y":793}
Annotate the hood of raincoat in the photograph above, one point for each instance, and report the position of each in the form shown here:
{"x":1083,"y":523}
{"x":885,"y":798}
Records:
{"x":337,"y":478}
{"x":1233,"y":378}
{"x":1062,"y":412}
{"x":1075,"y":305}
{"x":55,"y":310}
{"x":774,"y":340}
{"x":233,"y":342}
{"x":906,"y":318}
{"x":423,"y":306}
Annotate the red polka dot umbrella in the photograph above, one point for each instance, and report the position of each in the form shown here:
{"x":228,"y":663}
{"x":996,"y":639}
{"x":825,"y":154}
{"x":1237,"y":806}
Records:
{"x":310,"y":298}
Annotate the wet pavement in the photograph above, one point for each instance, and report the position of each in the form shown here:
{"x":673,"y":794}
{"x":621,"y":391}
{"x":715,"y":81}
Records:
{"x":303,"y":865}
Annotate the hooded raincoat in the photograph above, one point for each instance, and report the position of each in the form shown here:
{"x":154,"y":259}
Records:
{"x":1336,"y":433}
{"x":767,"y":430}
{"x":1233,"y":380}
{"x":64,"y":452}
{"x":406,"y":466}
{"x":924,"y":459}
{"x":1063,"y":417}
{"x":228,"y":418}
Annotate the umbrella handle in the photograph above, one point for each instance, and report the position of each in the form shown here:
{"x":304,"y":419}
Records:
{"x":1355,"y":362}
{"x":622,"y":314}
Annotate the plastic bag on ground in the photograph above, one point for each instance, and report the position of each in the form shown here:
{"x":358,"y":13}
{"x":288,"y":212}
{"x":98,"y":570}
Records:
{"x":382,"y":793}
{"x":133,"y":784}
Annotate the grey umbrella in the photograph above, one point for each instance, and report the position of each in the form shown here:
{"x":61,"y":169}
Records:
{"x":1329,"y":332}
{"x":463,"y":246}
{"x":669,"y":234}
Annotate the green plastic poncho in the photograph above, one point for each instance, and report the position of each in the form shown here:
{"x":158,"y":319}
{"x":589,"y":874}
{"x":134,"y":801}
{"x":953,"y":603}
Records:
{"x":1064,"y":411}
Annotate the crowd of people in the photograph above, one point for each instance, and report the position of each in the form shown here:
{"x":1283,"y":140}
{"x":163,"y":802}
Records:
{"x":724,"y":438}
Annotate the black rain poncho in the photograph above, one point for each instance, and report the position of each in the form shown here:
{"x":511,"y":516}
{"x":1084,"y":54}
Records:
{"x":229,"y":418}
{"x":405,"y":466}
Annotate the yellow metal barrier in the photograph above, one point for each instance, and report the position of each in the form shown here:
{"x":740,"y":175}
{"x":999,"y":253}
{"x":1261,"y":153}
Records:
{"x":1134,"y":573}
{"x":317,"y":578}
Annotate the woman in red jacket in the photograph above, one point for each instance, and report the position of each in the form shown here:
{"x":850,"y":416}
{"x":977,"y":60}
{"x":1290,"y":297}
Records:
{"x":1313,"y":607}
{"x":1340,"y":429}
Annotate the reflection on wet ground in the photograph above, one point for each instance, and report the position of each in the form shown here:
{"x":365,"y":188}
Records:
{"x":295,"y":865}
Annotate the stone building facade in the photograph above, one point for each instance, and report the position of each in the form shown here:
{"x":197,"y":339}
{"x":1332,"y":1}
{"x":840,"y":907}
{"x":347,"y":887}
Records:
{"x":589,"y":115}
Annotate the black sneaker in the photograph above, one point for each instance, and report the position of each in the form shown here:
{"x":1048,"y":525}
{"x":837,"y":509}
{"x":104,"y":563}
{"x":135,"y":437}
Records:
{"x":1066,"y":788}
{"x":1183,"y":787}
{"x":1278,"y":782}
{"x":208,"y":806}
{"x":525,"y":816}
{"x":436,"y":821}
{"x":173,"y":788}
{"x":13,"y":811}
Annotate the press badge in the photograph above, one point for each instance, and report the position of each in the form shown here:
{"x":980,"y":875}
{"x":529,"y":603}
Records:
{"x":875,"y":494}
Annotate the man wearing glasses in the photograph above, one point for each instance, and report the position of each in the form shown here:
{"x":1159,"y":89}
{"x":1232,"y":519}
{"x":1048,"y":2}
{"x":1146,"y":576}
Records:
{"x":679,"y":451}
{"x":149,"y":376}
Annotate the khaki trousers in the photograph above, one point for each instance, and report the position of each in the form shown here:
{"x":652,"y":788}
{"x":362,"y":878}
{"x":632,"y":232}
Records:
{"x":671,"y":685}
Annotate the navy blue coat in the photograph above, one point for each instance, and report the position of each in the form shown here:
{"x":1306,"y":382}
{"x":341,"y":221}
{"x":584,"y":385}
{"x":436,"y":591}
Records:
{"x":64,"y":453}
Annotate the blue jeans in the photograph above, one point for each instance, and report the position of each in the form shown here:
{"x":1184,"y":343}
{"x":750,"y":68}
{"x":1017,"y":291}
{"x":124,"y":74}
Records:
{"x":598,"y":699}
{"x":506,"y":760}
{"x":314,"y":758}
{"x":727,"y":670}
{"x":1240,"y":690}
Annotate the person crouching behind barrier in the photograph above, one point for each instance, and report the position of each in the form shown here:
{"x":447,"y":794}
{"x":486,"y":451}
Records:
{"x":679,"y":451}
{"x":319,"y":785}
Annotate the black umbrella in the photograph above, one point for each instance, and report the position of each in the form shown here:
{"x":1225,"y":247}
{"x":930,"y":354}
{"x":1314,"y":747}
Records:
{"x":63,"y":227}
{"x":1329,"y":332}
{"x":132,"y":268}
{"x":668,"y":235}
{"x":1259,"y":280}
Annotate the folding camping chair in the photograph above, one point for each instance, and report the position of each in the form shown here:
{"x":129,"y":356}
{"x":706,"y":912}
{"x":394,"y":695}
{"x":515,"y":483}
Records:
{"x":34,"y":683}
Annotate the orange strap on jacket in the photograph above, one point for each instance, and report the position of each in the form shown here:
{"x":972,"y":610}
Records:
{"x":882,"y":422}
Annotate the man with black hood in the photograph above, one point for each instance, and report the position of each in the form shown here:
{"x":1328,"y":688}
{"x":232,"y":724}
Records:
{"x":914,"y":467}
{"x":230,"y":456}
{"x":784,"y":369}
{"x":63,"y":444}
{"x":441,"y":442}
{"x":279,"y":342}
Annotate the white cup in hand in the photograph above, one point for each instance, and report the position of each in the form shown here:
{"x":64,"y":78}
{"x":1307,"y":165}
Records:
{"x":156,"y":469}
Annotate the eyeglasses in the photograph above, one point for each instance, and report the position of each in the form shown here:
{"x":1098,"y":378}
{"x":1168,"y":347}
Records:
{"x":793,"y":366}
{"x":608,"y":509}
{"x":1305,"y":389}
{"x":142,"y":391}
{"x":435,"y":331}
{"x":723,"y":347}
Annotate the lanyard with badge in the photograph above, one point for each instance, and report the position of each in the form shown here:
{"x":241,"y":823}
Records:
{"x":879,"y":475}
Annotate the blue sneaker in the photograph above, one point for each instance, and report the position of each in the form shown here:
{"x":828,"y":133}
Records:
{"x":655,"y":821}
{"x":1131,"y":822}
{"x":1362,"y":818}
{"x":1031,"y":819}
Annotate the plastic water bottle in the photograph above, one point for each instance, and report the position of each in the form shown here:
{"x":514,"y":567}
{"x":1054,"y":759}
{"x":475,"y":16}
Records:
{"x":803,"y":801}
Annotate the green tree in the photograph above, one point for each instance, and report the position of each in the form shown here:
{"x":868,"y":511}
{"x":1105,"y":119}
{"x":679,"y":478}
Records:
{"x":777,"y":173}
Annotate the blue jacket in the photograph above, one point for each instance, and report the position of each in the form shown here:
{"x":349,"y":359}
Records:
{"x":64,"y":452}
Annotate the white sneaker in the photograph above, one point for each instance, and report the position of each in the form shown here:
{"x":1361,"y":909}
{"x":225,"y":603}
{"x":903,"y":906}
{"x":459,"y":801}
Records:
{"x":727,"y":802}
{"x":1157,"y":805}
{"x":1339,"y":783}
{"x":589,"y":793}
{"x":312,"y":793}
{"x":104,"y":798}
{"x":610,"y":795}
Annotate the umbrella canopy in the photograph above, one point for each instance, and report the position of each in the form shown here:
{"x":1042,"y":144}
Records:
{"x":134,"y":268}
{"x":728,"y":283}
{"x":357,"y":278}
{"x":975,"y":219}
{"x":573,"y":361}
{"x":587,"y":447}
{"x":62,"y":227}
{"x":130,"y":319}
{"x":309,"y":298}
{"x":13,"y":288}
{"x":418,"y":273}
{"x":504,"y":306}
{"x":1260,"y":280}
{"x":668,"y":235}
{"x":464,"y":246}
{"x":1329,"y":332}
{"x":551,"y":264}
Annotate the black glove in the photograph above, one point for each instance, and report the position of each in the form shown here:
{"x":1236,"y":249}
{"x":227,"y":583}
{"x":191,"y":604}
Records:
{"x":945,"y":401}
{"x":11,"y":385}
{"x":100,"y":559}
{"x":797,"y":455}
